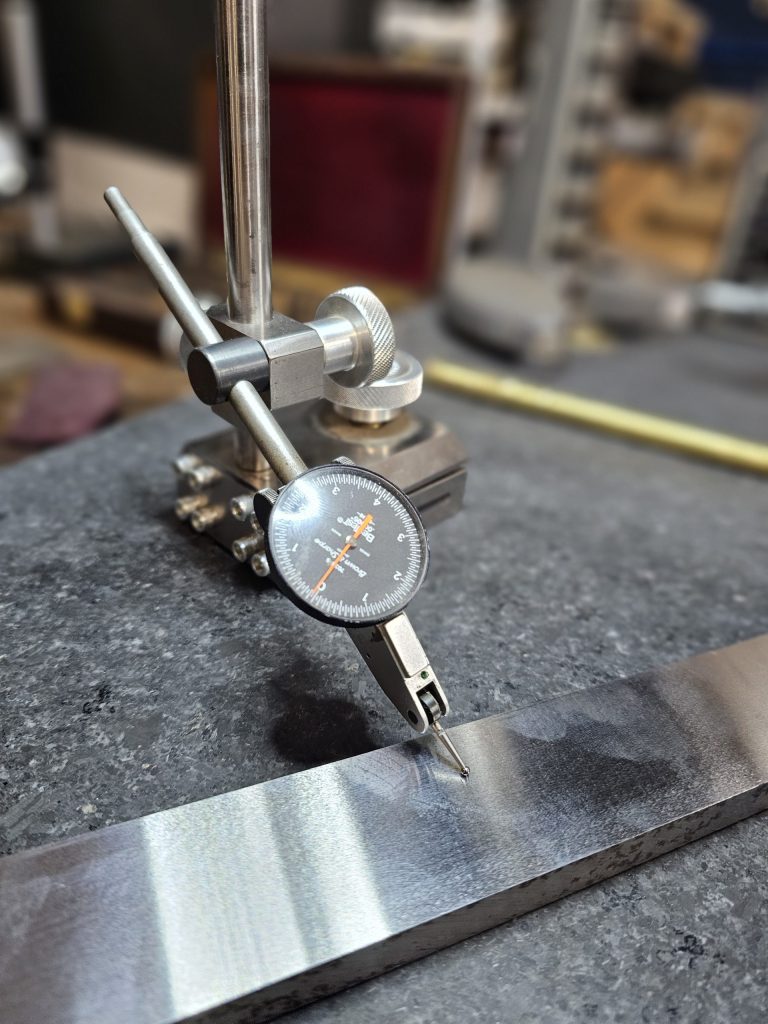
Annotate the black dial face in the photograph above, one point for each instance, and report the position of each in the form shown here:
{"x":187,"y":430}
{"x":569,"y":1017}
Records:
{"x":347,"y":546}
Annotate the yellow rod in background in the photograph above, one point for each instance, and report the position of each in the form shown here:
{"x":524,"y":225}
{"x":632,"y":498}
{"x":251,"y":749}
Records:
{"x":518,"y":394}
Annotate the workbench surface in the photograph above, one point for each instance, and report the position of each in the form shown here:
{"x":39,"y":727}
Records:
{"x":142,"y":668}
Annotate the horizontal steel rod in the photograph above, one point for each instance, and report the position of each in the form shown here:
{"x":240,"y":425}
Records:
{"x":256,"y":902}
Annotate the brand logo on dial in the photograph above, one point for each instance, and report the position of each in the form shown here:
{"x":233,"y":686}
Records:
{"x":347,"y":546}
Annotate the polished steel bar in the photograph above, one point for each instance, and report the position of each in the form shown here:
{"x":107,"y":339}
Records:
{"x":243,"y":76}
{"x":250,"y":904}
{"x":271,"y":439}
{"x":171,"y":285}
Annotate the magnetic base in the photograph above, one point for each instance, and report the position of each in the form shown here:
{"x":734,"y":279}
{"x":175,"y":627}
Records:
{"x":253,"y":903}
{"x":421,"y":457}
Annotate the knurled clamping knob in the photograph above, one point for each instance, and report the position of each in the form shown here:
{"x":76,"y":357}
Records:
{"x":354,"y":317}
{"x":383,"y":400}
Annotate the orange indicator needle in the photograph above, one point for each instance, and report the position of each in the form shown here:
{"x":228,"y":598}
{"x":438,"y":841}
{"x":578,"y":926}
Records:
{"x":344,"y":551}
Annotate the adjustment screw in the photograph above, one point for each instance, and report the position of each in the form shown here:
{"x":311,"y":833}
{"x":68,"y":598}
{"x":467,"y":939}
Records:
{"x":260,"y":565}
{"x":207,"y":517}
{"x":247,"y":547}
{"x":383,"y":401}
{"x":202,"y":477}
{"x":242,"y":507}
{"x":186,"y":463}
{"x":188,"y":504}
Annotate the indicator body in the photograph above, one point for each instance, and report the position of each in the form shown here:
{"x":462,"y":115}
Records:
{"x":345,"y":545}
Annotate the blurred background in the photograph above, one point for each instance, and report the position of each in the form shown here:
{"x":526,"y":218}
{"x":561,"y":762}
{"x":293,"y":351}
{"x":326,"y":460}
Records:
{"x":548,"y":188}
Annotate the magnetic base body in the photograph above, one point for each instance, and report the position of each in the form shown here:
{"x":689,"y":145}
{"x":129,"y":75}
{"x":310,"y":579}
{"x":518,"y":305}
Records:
{"x":250,"y":904}
{"x":421,"y":457}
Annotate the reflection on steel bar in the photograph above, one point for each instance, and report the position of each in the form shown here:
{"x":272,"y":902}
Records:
{"x":255,"y":902}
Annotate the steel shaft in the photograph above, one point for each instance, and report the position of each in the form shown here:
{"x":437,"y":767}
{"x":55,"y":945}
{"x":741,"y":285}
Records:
{"x":243,"y":76}
{"x":262,"y":426}
{"x":171,"y":285}
{"x":244,"y":398}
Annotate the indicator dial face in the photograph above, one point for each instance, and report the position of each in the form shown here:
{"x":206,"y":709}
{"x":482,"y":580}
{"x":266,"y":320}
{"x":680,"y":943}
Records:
{"x":347,"y":546}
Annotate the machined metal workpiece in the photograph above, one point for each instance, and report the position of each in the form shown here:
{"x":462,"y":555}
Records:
{"x":253,"y":903}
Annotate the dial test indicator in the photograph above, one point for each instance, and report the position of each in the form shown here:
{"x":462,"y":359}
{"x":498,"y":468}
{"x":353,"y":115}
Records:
{"x":349,"y":547}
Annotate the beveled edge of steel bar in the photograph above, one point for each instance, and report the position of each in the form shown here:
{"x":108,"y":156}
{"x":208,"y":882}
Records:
{"x":256,"y":902}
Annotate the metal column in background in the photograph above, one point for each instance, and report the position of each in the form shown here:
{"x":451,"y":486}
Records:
{"x":22,"y":56}
{"x":513,"y":297}
{"x":252,"y":903}
{"x":480,"y":56}
{"x":243,"y":75}
{"x":576,"y":55}
{"x":21,"y":50}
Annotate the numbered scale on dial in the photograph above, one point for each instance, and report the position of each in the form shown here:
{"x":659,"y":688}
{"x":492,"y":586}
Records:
{"x":345,"y":545}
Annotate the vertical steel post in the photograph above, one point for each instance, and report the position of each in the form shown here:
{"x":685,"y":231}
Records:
{"x":243,"y":77}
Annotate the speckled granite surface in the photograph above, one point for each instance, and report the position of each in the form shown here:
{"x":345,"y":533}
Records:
{"x":140,"y":668}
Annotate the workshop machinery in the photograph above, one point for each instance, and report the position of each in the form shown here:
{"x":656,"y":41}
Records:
{"x":48,"y":238}
{"x":515,"y":297}
{"x":23,"y":160}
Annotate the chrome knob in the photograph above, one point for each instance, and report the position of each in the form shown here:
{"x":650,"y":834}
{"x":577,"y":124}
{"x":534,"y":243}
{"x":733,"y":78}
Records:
{"x":383,"y":400}
{"x":353,"y":322}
